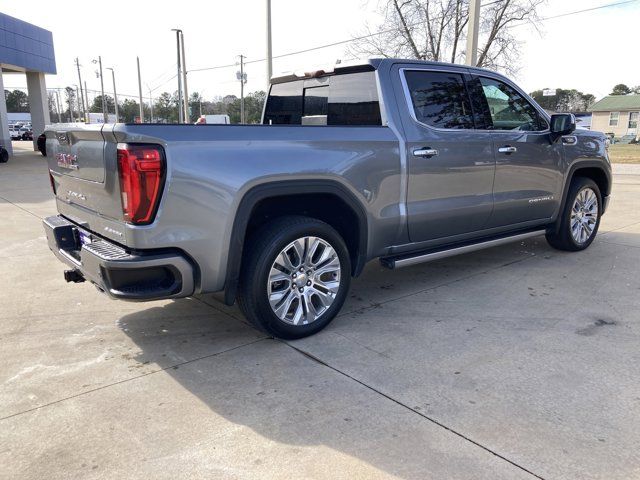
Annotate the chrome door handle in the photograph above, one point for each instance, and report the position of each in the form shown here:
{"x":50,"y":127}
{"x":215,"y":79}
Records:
{"x":507,"y":149}
{"x":425,"y":152}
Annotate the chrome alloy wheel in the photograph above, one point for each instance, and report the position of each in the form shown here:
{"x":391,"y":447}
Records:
{"x":584,"y":215}
{"x":304,"y":280}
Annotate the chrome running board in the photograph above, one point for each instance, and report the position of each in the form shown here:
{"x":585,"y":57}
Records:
{"x":412,"y":259}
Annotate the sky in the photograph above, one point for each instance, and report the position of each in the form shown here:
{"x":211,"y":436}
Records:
{"x":590,"y":51}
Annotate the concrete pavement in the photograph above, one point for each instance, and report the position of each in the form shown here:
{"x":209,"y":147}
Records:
{"x":516,"y":362}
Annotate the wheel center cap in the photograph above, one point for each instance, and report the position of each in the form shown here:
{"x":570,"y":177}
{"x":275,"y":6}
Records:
{"x":301,"y":279}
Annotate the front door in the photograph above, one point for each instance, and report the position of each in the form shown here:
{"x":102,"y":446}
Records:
{"x":450,"y":165}
{"x":528,"y":181}
{"x":633,"y":123}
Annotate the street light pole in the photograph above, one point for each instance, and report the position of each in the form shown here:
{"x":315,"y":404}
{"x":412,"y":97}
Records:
{"x":115,"y":94}
{"x":58,"y":104}
{"x":269,"y":51}
{"x":80,"y":112}
{"x":105,"y":114}
{"x":178,"y":32}
{"x":150,"y":104}
{"x":472,"y":33}
{"x":140,"y":91}
{"x":84,"y":107}
{"x":187,"y":115}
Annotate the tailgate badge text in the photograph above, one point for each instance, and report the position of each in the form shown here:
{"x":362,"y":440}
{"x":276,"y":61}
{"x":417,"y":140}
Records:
{"x":67,"y":160}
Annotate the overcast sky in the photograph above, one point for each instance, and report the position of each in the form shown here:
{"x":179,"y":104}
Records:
{"x":590,"y":51}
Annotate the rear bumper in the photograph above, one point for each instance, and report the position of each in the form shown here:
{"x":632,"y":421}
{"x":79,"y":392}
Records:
{"x":120,"y":274}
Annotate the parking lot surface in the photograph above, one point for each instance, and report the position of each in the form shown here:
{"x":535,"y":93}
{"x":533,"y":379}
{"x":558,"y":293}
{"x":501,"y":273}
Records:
{"x":514,"y":362}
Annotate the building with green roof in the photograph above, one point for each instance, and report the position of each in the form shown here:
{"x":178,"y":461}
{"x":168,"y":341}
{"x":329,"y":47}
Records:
{"x":617,"y":114}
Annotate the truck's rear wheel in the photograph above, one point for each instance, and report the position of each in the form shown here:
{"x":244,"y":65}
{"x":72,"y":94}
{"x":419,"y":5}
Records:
{"x":295,"y":277}
{"x":580,"y":219}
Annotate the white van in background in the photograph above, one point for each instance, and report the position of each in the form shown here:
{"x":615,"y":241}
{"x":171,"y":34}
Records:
{"x":213,"y":120}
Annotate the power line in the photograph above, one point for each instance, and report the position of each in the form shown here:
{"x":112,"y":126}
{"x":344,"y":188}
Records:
{"x":362,"y":37}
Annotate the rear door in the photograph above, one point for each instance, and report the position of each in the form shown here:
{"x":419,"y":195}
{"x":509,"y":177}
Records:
{"x":529,"y":177}
{"x":450,"y":164}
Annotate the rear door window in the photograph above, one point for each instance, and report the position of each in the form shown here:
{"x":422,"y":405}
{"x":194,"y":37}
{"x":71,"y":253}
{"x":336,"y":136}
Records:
{"x":439,"y":99}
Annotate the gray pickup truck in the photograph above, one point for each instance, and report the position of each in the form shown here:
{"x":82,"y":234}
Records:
{"x":406,"y":161}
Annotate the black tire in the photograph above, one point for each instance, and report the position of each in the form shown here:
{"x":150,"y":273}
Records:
{"x":4,"y":155}
{"x":261,"y":251}
{"x":561,"y":237}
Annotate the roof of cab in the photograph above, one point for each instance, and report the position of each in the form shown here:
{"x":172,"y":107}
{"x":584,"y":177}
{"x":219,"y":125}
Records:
{"x":363,"y":65}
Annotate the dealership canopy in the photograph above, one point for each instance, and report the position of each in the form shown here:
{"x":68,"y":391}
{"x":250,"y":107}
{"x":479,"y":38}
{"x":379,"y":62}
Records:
{"x":26,"y":49}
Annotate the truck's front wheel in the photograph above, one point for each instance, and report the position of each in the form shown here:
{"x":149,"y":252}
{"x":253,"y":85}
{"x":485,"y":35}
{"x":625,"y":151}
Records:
{"x":295,"y":277}
{"x":580,"y":219}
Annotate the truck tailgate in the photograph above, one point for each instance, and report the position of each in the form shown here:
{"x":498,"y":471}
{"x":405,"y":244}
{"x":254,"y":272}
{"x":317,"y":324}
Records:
{"x":83,"y":163}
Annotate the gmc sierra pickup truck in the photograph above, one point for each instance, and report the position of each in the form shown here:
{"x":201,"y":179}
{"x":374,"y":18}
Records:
{"x":406,"y":161}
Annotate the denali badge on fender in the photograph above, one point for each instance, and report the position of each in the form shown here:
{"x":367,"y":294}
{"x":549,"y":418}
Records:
{"x":67,"y":160}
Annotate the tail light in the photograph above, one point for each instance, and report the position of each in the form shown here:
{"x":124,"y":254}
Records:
{"x":141,"y":169}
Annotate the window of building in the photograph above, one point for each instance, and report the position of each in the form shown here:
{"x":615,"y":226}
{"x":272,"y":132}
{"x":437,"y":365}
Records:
{"x":633,"y":119}
{"x":613,"y":119}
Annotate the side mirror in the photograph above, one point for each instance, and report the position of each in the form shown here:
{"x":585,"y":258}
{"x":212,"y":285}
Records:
{"x":562,"y":124}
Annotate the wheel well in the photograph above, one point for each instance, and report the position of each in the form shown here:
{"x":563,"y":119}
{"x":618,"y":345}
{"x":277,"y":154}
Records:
{"x":597,"y":175}
{"x":327,"y":207}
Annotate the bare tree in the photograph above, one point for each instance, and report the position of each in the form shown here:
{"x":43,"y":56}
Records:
{"x":436,"y":30}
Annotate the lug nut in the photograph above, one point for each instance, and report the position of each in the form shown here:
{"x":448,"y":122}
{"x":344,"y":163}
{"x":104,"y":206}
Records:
{"x":301,"y":269}
{"x":301,"y":289}
{"x":309,"y":283}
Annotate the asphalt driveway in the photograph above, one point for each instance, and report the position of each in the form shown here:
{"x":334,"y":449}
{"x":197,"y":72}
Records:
{"x":515,"y":362}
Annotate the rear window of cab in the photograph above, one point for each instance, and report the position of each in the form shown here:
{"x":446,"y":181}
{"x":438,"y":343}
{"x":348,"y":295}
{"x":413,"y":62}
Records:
{"x":345,"y":99}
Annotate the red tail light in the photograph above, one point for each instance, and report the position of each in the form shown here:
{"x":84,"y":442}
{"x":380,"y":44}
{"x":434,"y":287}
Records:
{"x":141,"y":169}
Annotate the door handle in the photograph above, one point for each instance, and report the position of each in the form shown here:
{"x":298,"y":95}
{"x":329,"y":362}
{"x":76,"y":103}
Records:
{"x":425,"y":152}
{"x":508,"y":149}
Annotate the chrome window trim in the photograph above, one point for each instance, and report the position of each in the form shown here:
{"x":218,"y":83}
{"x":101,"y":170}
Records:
{"x":461,"y":71}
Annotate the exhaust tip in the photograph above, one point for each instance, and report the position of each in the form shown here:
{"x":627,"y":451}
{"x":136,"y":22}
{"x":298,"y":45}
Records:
{"x":73,"y":276}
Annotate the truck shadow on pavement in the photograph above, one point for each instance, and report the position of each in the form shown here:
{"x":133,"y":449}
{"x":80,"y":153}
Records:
{"x":283,"y":395}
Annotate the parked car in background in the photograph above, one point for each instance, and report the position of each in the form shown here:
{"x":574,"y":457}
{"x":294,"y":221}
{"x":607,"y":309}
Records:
{"x":42,"y":144}
{"x":404,"y":161}
{"x":27,"y":134}
{"x":14,"y":132}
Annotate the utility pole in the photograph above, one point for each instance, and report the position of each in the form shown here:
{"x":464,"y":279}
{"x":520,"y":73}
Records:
{"x":140,"y":91}
{"x":187,"y":114}
{"x":115,"y":94}
{"x":84,"y":107}
{"x":104,"y":103}
{"x":178,"y":32}
{"x":472,"y":33}
{"x":243,"y":79}
{"x":269,"y":51}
